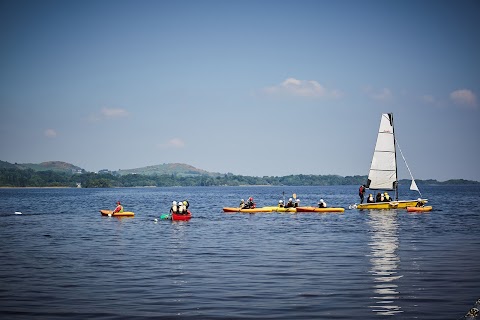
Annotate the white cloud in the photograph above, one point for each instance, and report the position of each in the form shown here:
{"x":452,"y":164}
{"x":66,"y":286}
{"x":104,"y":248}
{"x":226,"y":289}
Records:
{"x":173,"y":143}
{"x":302,"y":88}
{"x":50,"y":133}
{"x":113,"y":112}
{"x":464,"y":97}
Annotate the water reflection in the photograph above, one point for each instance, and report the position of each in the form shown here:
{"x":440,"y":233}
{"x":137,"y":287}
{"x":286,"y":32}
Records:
{"x":384,"y":261}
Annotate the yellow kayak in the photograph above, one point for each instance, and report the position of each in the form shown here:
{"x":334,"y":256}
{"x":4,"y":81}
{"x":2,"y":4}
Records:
{"x":118,"y":214}
{"x":254,"y":210}
{"x":316,"y":209}
{"x":280,"y":209}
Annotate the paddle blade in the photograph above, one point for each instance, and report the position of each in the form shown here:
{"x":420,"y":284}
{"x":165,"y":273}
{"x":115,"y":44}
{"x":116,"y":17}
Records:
{"x":294,"y":196}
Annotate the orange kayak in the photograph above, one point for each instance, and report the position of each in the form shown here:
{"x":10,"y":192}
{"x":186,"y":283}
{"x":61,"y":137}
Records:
{"x":419,"y":209}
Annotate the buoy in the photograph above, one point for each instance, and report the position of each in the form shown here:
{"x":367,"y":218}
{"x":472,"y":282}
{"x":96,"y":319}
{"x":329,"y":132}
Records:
{"x":18,"y":212}
{"x":155,"y":219}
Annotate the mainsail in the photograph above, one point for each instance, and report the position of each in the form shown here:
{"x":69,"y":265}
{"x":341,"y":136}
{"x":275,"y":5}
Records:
{"x":383,"y":170}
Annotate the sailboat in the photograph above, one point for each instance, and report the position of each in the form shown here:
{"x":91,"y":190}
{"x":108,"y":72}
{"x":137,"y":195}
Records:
{"x":383,"y":170}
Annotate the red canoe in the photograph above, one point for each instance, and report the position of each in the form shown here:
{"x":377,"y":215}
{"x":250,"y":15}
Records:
{"x":181,"y":217}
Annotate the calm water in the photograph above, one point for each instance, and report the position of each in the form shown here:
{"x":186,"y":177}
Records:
{"x":61,"y":259}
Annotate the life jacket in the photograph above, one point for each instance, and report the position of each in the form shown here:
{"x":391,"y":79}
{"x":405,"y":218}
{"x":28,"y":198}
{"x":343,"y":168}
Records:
{"x":174,"y":209}
{"x":361,"y":189}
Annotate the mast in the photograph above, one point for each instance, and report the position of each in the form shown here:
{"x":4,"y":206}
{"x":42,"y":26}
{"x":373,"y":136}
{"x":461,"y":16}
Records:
{"x":395,"y":186}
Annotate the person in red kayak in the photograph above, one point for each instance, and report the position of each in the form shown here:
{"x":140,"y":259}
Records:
{"x":118,"y":209}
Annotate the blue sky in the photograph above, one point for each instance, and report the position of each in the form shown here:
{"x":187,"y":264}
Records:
{"x":247,"y":87}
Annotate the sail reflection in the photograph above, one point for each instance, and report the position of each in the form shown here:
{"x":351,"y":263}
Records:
{"x":384,"y":261}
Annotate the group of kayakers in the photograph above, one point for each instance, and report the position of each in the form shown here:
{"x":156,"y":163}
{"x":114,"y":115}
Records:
{"x":180,"y":207}
{"x":289,"y":204}
{"x":292,"y":203}
{"x":247,"y":205}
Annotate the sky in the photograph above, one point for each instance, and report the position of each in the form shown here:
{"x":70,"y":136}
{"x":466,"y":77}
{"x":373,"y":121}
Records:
{"x":261,"y":88}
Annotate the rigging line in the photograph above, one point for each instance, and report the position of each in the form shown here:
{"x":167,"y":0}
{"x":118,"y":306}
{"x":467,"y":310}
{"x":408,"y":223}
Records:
{"x":411,"y":175}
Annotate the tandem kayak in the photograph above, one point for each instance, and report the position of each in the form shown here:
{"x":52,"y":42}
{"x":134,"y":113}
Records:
{"x":118,"y":214}
{"x":419,"y":209}
{"x":181,"y":217}
{"x":316,"y":209}
{"x":254,"y":210}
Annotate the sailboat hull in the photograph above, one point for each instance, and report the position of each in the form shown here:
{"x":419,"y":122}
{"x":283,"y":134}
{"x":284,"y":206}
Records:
{"x":402,"y":204}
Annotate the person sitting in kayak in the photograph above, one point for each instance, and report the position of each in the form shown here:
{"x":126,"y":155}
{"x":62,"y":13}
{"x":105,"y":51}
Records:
{"x":250,"y":204}
{"x":181,"y":208}
{"x":297,"y":203}
{"x":289,"y":204}
{"x":370,"y":198}
{"x":386,"y":197}
{"x":242,"y":204}
{"x":118,"y":209}
{"x":280,"y":204}
{"x":322,"y":204}
{"x":174,"y":208}
{"x":186,"y":204}
{"x":420,"y":203}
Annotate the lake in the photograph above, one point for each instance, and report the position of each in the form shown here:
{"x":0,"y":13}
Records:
{"x":61,"y":259}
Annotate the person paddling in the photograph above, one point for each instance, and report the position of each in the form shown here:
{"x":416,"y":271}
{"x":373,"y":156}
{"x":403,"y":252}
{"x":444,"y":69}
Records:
{"x":118,"y":209}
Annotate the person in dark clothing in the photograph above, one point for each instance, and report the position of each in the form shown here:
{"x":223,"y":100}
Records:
{"x":361,"y":192}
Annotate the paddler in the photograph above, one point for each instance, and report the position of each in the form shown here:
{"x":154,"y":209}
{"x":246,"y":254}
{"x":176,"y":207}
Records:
{"x":297,"y":203}
{"x":118,"y":209}
{"x":322,"y":204}
{"x":242,"y":204}
{"x":419,"y":203}
{"x":174,"y":207}
{"x":289,"y":204}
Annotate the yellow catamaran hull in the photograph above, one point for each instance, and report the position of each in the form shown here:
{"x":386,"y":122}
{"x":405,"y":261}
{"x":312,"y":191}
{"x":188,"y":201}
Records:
{"x":401,"y":204}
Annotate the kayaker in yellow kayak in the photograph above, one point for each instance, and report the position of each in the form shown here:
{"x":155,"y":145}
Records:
{"x":322,"y":204}
{"x":119,"y":208}
{"x":289,"y":204}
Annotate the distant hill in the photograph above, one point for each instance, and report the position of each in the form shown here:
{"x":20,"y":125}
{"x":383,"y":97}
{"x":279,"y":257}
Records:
{"x":179,"y":169}
{"x":57,"y":166}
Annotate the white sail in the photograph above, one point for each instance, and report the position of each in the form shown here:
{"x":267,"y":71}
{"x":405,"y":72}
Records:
{"x":383,"y":170}
{"x":413,"y":186}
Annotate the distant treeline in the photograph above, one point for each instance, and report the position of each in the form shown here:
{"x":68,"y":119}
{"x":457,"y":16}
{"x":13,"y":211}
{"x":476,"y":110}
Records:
{"x":10,"y":177}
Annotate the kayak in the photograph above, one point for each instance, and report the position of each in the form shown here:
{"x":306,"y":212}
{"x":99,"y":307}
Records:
{"x":316,"y":209}
{"x":280,"y":209}
{"x":419,"y":209}
{"x":254,"y":210}
{"x":182,"y":217}
{"x":118,"y":214}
